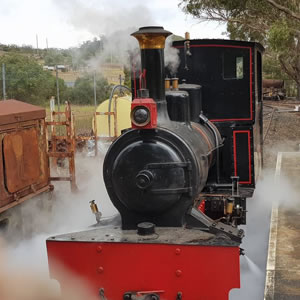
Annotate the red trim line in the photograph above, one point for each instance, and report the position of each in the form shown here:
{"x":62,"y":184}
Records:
{"x":251,"y":80}
{"x":217,"y":46}
{"x":235,"y":132}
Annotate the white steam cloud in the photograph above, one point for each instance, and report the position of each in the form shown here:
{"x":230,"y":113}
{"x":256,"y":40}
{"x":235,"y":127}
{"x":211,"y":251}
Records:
{"x":105,"y":17}
{"x":24,"y":271}
{"x":71,"y":213}
{"x":255,"y":243}
{"x":172,"y":60}
{"x":63,"y":212}
{"x":115,"y":23}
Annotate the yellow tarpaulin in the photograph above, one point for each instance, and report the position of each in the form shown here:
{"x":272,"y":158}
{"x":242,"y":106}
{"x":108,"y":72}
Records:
{"x":123,"y":116}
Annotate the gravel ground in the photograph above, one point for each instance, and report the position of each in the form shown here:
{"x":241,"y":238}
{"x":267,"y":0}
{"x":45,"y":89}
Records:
{"x":283,"y":133}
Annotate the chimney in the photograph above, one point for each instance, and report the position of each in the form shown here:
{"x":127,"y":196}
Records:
{"x":152,"y":43}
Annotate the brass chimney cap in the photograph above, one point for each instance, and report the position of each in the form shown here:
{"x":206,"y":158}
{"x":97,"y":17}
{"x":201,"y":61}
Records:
{"x":151,"y":37}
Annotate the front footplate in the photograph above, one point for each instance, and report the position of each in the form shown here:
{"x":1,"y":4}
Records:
{"x":196,"y":218}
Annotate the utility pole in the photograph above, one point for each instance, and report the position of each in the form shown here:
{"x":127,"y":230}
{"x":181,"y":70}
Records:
{"x":47,"y":43}
{"x":95,"y":92}
{"x":3,"y":81}
{"x":37,"y":44}
{"x":57,"y":89}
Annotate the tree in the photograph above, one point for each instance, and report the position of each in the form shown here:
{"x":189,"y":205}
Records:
{"x":86,"y":51}
{"x":58,"y":57}
{"x":83,"y":91}
{"x":127,"y":79}
{"x":274,"y":23}
{"x":27,"y":81}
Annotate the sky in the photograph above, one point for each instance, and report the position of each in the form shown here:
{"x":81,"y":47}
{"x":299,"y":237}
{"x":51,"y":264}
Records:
{"x":67,"y":23}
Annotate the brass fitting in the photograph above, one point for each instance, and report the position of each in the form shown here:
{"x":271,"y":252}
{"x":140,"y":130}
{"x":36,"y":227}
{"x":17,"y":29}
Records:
{"x":175,"y":84}
{"x":95,"y":211}
{"x":167,"y":83}
{"x":94,"y":207}
{"x":152,"y":37}
{"x":229,"y":208}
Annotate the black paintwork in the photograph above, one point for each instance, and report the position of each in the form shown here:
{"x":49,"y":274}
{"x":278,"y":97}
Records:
{"x":178,"y":103}
{"x":156,"y":175}
{"x":230,"y":98}
{"x":195,"y":95}
{"x":174,"y":157}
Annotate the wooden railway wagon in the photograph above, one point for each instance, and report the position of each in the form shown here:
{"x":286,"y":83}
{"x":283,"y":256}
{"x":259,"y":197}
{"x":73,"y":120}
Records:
{"x":24,"y":163}
{"x":273,"y":89}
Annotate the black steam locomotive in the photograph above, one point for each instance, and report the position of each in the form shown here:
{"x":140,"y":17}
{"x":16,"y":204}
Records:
{"x":203,"y":147}
{"x":179,"y":177}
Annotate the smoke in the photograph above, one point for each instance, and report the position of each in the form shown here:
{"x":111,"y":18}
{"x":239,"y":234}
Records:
{"x":61,"y":212}
{"x":255,"y":243}
{"x":21,"y":282}
{"x":24,"y":265}
{"x":105,"y":18}
{"x":114,"y":25}
{"x":172,"y":60}
{"x":70,"y":212}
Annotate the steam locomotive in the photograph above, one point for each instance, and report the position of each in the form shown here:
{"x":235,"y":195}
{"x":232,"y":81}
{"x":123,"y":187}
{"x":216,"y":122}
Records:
{"x":179,"y":177}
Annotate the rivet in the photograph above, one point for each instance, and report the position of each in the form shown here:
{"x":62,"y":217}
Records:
{"x":178,"y":273}
{"x":99,"y":249}
{"x":100,"y":270}
{"x":177,"y":251}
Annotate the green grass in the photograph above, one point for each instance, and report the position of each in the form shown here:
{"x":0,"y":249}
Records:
{"x":83,"y":117}
{"x":76,"y":109}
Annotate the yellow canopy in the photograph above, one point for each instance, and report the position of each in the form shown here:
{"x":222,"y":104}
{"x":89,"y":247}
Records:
{"x":123,"y":107}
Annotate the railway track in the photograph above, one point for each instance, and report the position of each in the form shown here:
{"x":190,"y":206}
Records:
{"x":277,"y":107}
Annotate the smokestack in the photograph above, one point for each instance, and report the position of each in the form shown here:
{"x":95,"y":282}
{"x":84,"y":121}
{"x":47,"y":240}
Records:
{"x":152,"y":43}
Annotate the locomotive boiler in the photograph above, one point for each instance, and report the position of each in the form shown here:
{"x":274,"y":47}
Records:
{"x":179,"y":178}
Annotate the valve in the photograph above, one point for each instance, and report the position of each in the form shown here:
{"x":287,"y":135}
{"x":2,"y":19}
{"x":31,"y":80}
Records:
{"x":95,"y":211}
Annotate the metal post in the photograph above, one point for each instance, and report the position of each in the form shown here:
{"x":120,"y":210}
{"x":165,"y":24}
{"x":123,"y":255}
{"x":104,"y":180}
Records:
{"x":37,"y":44}
{"x":96,"y":133}
{"x":3,"y":80}
{"x":53,"y":131}
{"x":95,"y":92}
{"x":71,"y":146}
{"x":115,"y":117}
{"x":57,"y":90}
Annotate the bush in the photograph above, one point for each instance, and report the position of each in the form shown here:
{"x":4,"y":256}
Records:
{"x":83,"y":91}
{"x":27,"y":81}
